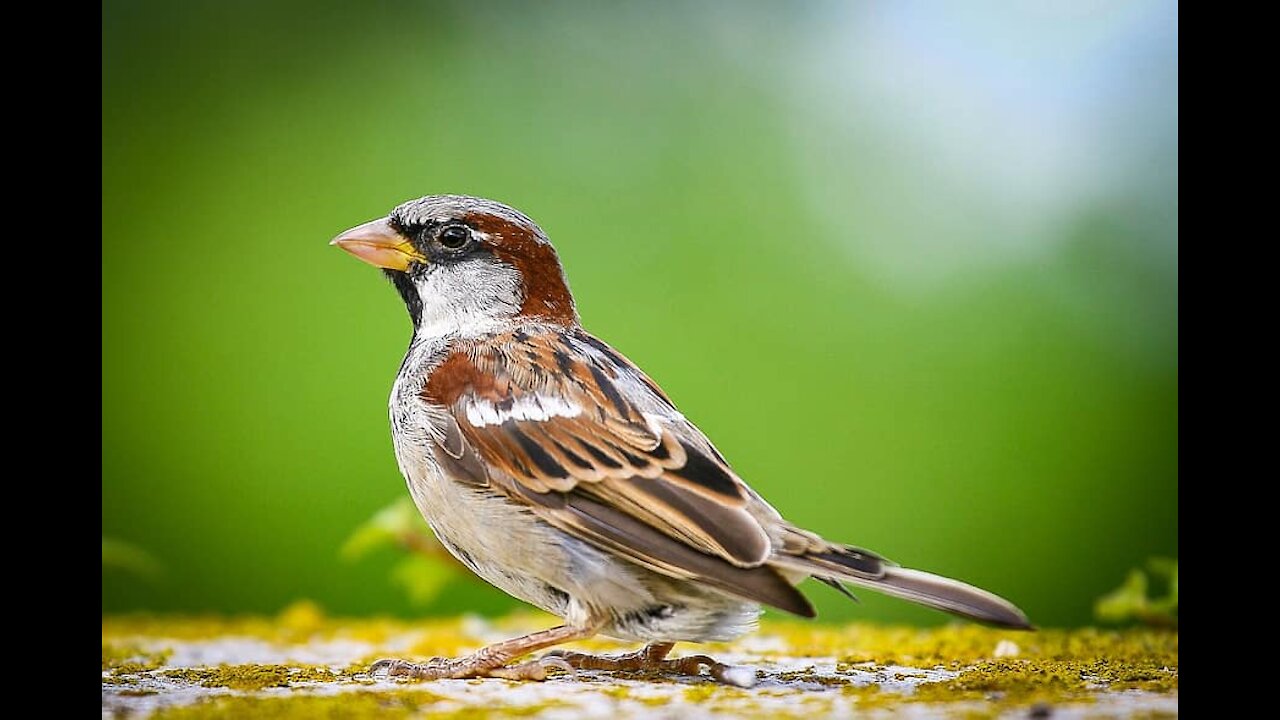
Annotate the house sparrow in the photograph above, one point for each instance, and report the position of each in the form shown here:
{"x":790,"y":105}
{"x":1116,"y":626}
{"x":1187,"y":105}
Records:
{"x":555,"y":469}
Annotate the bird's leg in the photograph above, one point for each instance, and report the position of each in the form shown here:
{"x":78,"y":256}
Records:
{"x":653,"y":657}
{"x":492,"y":661}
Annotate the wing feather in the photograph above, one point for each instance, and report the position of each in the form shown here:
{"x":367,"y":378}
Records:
{"x":559,"y":421}
{"x":595,"y":432}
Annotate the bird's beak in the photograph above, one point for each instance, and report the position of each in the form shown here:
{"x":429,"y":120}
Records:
{"x":377,"y":243}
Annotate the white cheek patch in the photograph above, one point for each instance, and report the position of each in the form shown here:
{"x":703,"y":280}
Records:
{"x":468,"y":298}
{"x":481,"y":413}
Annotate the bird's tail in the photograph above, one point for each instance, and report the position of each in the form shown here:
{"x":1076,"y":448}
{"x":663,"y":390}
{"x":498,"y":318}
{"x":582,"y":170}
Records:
{"x":946,"y":594}
{"x":861,"y":567}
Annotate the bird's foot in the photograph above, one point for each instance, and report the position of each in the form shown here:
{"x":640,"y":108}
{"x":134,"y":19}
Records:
{"x":653,"y":658}
{"x":471,"y":666}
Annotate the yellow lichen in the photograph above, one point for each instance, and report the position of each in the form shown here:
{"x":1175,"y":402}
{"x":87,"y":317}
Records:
{"x":360,"y":705}
{"x":255,"y":677}
{"x":343,"y":706}
{"x":125,"y":659}
{"x":961,"y":645}
{"x":301,"y":621}
{"x":1051,"y":667}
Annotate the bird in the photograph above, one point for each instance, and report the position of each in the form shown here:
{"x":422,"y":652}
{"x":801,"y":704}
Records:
{"x":555,"y":469}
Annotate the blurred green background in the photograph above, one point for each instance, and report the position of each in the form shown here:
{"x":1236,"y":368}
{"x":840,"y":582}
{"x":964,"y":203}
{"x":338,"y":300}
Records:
{"x":944,"y":236}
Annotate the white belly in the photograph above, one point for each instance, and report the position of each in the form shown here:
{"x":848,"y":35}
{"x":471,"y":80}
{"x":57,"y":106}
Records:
{"x":500,"y":541}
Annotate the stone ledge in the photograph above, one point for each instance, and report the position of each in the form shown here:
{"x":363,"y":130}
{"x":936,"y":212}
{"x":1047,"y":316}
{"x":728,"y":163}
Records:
{"x":303,"y":664}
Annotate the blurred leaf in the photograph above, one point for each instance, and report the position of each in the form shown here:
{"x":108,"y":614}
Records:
{"x":1168,"y":605}
{"x":387,"y":528}
{"x":422,"y":577}
{"x":1119,"y":605}
{"x":302,"y":617}
{"x":1131,"y":601}
{"x":126,"y":557}
{"x":426,"y":569}
{"x":1168,"y":569}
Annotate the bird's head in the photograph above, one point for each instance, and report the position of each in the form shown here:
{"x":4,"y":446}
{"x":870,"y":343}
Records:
{"x":465,"y":264}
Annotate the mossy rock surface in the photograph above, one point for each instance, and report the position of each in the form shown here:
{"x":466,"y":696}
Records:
{"x":303,"y":664}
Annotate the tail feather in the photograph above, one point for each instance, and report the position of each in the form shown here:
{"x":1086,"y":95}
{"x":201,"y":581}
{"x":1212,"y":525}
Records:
{"x":866,"y":569}
{"x":947,"y":595}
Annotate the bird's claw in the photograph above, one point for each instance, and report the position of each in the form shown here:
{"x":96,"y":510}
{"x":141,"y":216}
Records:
{"x":432,"y":669}
{"x":551,"y":660}
{"x":653,"y":659}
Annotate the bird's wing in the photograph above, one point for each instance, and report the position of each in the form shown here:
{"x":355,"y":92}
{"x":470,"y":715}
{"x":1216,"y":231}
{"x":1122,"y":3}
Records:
{"x":560,"y":421}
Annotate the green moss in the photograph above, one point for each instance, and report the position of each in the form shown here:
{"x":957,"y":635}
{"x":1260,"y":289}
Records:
{"x":500,"y":712}
{"x":256,"y":677}
{"x":710,"y":690}
{"x":300,"y":622}
{"x":958,"y":646}
{"x":359,"y":705}
{"x":1052,"y":667}
{"x":342,"y":706}
{"x":123,"y":659}
{"x":1060,"y":679}
{"x":807,"y":675}
{"x":1007,"y":683}
{"x":623,"y":693}
{"x":1033,"y":671}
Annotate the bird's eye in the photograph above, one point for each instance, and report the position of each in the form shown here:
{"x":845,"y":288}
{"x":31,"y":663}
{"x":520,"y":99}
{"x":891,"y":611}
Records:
{"x":454,"y":237}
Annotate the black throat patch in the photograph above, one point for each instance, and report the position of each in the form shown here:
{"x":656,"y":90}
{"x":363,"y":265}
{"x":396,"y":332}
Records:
{"x":408,"y":293}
